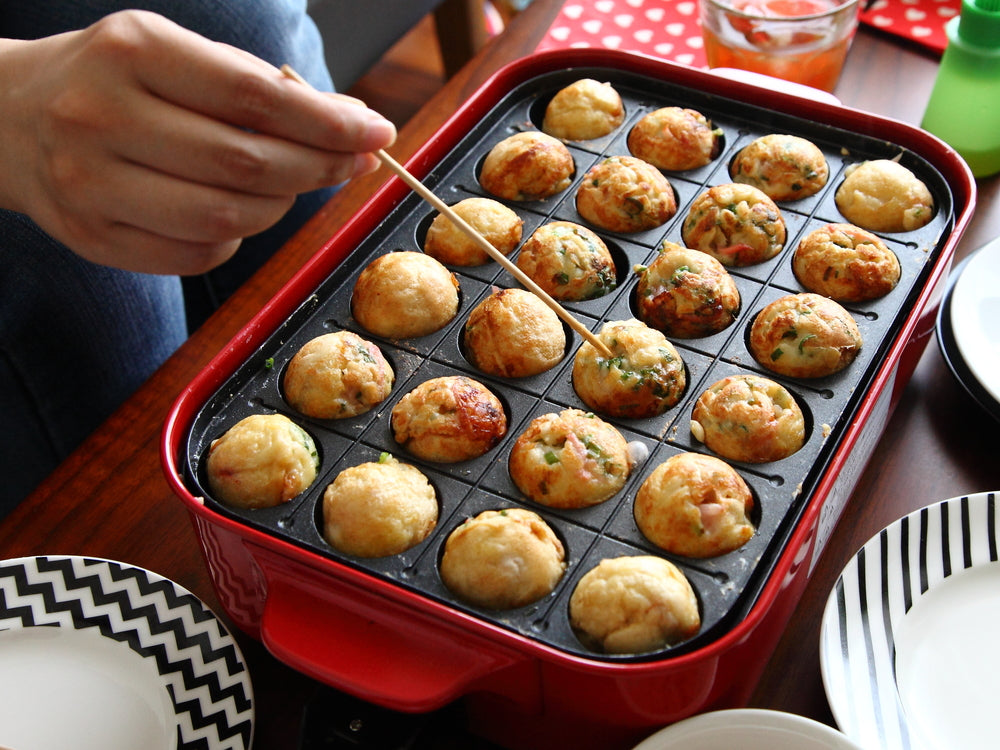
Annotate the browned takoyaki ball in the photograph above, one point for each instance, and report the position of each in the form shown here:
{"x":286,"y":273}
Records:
{"x":784,"y":167}
{"x":686,"y":293}
{"x":625,"y":194}
{"x":804,"y":336}
{"x":749,"y":418}
{"x":695,"y":505}
{"x":644,"y":377}
{"x":502,"y":559}
{"x":570,"y":459}
{"x":449,"y":419}
{"x":378,"y":508}
{"x":845,"y":263}
{"x":261,"y":461}
{"x":633,"y":605}
{"x":568,"y":261}
{"x":513,"y":334}
{"x":884,"y":196}
{"x":527,"y":166}
{"x":584,"y":110}
{"x":736,"y":224}
{"x":498,"y":224}
{"x":337,"y":375}
{"x":675,"y":139}
{"x":404,"y":294}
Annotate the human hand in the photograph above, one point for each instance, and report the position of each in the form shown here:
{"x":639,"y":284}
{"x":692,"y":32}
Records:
{"x":144,"y":146}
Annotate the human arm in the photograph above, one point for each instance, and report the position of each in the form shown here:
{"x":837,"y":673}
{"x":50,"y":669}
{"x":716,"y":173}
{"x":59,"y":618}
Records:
{"x":144,"y":146}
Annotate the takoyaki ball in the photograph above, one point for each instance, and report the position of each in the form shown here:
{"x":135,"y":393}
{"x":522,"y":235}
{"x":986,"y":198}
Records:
{"x":337,"y":375}
{"x":695,"y":505}
{"x":625,"y":194}
{"x":784,"y":167}
{"x":448,"y":419}
{"x":262,"y":461}
{"x":502,"y":559}
{"x":644,"y":377}
{"x":804,"y":336}
{"x":686,"y":293}
{"x":584,"y":110}
{"x":497,"y":223}
{"x":513,"y":334}
{"x":633,"y":605}
{"x":527,"y":166}
{"x":845,"y":263}
{"x":884,"y":196}
{"x":378,"y":508}
{"x":568,"y":261}
{"x":736,"y":224}
{"x":572,"y":459}
{"x":749,"y":418}
{"x":404,"y":295}
{"x":675,"y":139}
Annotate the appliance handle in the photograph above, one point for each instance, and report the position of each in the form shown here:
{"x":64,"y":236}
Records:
{"x":374,"y":647}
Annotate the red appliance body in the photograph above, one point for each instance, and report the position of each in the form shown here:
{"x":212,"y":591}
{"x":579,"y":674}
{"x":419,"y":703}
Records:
{"x":333,"y":621}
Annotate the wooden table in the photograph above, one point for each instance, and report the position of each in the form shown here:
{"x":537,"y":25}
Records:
{"x":109,"y":499}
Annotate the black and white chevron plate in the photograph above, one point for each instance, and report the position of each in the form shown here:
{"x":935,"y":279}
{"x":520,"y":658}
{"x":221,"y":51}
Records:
{"x":908,"y":650}
{"x":174,"y":634}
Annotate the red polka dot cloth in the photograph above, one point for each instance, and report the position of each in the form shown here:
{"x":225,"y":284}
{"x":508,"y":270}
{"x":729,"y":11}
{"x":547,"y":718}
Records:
{"x":669,"y":29}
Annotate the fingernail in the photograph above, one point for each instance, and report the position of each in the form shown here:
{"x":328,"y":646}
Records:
{"x":381,"y":130}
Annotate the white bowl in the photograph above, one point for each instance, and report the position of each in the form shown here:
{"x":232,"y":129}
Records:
{"x":747,"y":729}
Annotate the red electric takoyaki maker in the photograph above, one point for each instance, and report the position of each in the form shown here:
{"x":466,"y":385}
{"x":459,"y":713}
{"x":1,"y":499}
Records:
{"x":388,"y":630}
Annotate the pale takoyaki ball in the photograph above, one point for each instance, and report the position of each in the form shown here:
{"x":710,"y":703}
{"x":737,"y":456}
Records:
{"x":644,"y":377}
{"x":379,"y":508}
{"x":573,"y":459}
{"x":736,"y":224}
{"x":513,"y":334}
{"x":675,"y":139}
{"x":749,"y":418}
{"x":448,"y":419}
{"x":804,"y":336}
{"x":568,"y":261}
{"x":884,"y":196}
{"x":785,"y":167}
{"x":404,"y":295}
{"x":625,"y":194}
{"x":686,"y":293}
{"x":695,"y":505}
{"x":497,"y":223}
{"x":527,"y":166}
{"x":633,"y":605}
{"x":584,"y":110}
{"x":261,"y":461}
{"x":845,"y":263}
{"x":502,"y":559}
{"x":337,"y":375}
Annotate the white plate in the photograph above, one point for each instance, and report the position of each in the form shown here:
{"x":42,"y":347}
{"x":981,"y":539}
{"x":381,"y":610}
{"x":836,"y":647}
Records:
{"x":747,"y":729}
{"x":908,"y":646}
{"x":975,"y":310}
{"x":102,"y":655}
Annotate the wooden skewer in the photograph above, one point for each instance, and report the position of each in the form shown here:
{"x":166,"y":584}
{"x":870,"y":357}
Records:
{"x":420,"y":189}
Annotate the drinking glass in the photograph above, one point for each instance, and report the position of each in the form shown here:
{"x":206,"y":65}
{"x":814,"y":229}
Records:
{"x":804,"y":41}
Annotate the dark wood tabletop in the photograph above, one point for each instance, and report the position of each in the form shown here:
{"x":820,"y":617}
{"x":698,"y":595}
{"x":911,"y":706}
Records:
{"x":110,"y":499}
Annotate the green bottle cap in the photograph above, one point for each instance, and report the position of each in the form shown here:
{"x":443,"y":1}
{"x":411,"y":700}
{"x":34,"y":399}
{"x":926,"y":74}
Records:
{"x":980,"y":23}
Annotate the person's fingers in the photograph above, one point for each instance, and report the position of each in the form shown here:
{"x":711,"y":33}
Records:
{"x":176,"y":208}
{"x":134,"y":249}
{"x":244,"y":91}
{"x":203,"y":150}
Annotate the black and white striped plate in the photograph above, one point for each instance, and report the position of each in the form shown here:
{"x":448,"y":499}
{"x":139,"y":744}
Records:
{"x":908,"y":646}
{"x":101,"y":654}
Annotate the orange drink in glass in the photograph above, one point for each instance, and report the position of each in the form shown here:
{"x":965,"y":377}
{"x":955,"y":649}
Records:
{"x":804,"y":41}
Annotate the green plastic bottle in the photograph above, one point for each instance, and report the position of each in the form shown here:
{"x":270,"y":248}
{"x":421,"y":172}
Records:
{"x":964,"y":108}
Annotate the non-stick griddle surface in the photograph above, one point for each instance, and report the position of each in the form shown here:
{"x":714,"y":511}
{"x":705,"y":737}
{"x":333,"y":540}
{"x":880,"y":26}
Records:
{"x":726,"y":586}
